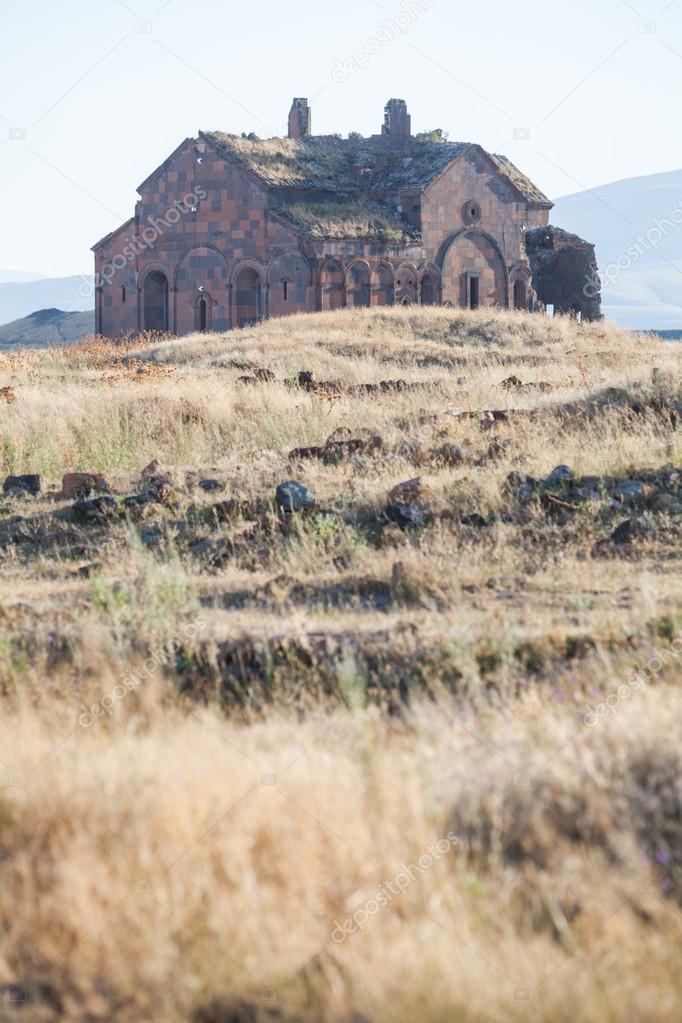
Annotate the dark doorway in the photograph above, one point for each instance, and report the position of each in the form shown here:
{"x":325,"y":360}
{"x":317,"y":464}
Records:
{"x":474,"y":299}
{"x":429,"y":291}
{"x":520,"y":301}
{"x":248,"y":297}
{"x":156,"y":302}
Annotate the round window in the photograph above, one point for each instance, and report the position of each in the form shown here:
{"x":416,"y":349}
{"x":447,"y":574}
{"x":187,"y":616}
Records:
{"x":471,"y":212}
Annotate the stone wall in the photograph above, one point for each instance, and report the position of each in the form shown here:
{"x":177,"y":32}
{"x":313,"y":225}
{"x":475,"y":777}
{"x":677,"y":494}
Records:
{"x":564,"y":272}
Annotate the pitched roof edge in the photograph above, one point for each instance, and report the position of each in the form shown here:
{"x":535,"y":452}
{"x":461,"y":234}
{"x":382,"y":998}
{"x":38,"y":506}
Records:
{"x":100,"y":243}
{"x":162,"y":166}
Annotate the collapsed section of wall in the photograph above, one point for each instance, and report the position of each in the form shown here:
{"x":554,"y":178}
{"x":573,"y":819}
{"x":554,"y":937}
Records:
{"x":565,"y":272}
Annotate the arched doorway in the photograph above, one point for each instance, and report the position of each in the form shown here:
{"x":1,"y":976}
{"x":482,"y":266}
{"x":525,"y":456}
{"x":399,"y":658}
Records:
{"x":358,"y":293}
{"x":474,"y":274}
{"x":249,"y":297}
{"x":383,"y":288}
{"x":156,"y":301}
{"x":429,"y":290}
{"x":333,"y":281}
{"x":520,"y":297}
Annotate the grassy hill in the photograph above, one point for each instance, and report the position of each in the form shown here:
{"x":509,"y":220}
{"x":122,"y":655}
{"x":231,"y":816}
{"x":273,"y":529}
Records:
{"x":45,"y":328}
{"x":395,"y":755}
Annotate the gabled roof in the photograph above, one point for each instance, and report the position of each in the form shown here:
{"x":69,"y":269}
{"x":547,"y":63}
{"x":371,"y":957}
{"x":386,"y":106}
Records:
{"x":331,"y":164}
{"x":524,"y":185}
{"x":112,"y":234}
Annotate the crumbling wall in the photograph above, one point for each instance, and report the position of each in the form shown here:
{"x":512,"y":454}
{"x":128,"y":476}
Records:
{"x":565,"y":272}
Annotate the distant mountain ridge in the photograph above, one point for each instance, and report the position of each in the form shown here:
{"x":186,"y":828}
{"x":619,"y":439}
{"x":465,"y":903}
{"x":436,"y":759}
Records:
{"x":21,"y":298}
{"x":636,"y":225}
{"x":47,"y":327}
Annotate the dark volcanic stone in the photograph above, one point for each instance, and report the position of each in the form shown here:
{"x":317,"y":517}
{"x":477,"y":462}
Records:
{"x":29,"y":483}
{"x":94,"y":512}
{"x":406,"y":516}
{"x":210,"y":485}
{"x":293,"y":496}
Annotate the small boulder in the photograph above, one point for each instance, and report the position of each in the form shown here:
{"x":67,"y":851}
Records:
{"x":559,"y":477}
{"x":405,"y":516}
{"x":210,"y":486}
{"x":293,"y":496}
{"x":629,"y":531}
{"x":410,"y":492}
{"x":630,"y":492}
{"x":340,"y":433}
{"x":451,"y":455}
{"x":27,"y":484}
{"x":97,"y":511}
{"x":78,"y":484}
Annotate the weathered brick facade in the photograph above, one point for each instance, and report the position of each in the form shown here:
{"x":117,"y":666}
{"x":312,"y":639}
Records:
{"x":229,"y":230}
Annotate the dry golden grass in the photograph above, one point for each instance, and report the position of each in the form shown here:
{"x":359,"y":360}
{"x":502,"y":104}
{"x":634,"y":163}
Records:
{"x":207,"y":767}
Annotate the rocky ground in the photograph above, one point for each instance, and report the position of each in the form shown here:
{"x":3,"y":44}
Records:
{"x":438,"y":546}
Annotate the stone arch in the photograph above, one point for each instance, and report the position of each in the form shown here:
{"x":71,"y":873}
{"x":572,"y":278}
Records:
{"x":248,"y":293}
{"x":474,"y":272}
{"x":332,"y":284}
{"x":430,"y":287}
{"x":288,"y":278}
{"x":358,"y":291}
{"x":383,"y":284}
{"x":406,"y":284}
{"x":201,"y":266}
{"x":155,"y":306}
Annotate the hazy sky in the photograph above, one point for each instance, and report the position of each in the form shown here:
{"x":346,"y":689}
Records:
{"x":94,"y":95}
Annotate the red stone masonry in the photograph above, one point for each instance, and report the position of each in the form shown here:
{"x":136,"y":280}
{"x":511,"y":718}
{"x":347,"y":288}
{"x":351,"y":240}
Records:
{"x":225,"y":233}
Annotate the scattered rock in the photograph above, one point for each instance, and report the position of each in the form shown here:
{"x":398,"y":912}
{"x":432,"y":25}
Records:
{"x":630,"y":530}
{"x":410,"y":491}
{"x":340,"y":450}
{"x":160,"y":489}
{"x":8,"y":395}
{"x":214,"y":553}
{"x":293,"y":496}
{"x":27,"y":484}
{"x":405,"y":516}
{"x":451,"y":454}
{"x":340,"y":433}
{"x":97,"y":511}
{"x":559,"y":476}
{"x":150,"y":471}
{"x":210,"y":486}
{"x":260,"y":375}
{"x":496,"y":450}
{"x":80,"y":484}
{"x":335,"y":451}
{"x":631,"y":492}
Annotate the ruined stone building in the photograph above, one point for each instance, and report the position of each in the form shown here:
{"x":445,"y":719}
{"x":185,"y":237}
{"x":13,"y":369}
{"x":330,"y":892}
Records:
{"x":231,"y":229}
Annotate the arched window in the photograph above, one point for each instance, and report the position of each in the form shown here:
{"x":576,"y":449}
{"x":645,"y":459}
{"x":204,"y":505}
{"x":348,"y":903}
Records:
{"x":202,"y":314}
